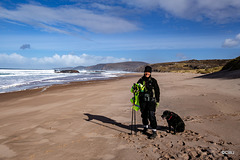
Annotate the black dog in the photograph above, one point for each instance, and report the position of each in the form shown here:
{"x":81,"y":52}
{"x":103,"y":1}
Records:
{"x":174,"y":120}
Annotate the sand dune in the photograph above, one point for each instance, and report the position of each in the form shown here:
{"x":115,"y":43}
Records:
{"x":91,"y":120}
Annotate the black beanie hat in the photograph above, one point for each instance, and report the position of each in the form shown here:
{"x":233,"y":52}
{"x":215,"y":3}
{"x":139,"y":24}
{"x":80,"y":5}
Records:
{"x":148,"y":69}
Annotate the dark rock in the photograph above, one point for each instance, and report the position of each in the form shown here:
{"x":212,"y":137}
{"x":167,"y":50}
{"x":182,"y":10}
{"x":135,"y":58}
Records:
{"x":66,"y":71}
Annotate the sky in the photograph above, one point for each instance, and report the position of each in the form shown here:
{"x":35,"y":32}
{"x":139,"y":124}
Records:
{"x":45,"y":34}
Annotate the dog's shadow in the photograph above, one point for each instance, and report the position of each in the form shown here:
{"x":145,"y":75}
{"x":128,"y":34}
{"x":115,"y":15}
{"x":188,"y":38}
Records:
{"x":113,"y":122}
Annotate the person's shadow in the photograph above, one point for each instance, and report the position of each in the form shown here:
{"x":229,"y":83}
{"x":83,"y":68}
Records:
{"x":107,"y":120}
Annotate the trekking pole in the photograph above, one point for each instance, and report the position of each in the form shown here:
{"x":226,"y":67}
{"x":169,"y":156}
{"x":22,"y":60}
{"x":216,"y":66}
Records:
{"x":135,"y":125}
{"x":133,"y":112}
{"x":132,"y":123}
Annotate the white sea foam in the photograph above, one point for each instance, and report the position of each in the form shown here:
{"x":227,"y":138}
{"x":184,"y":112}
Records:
{"x":15,"y":80}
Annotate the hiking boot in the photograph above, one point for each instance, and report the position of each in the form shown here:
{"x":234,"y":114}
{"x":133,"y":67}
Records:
{"x":144,"y":131}
{"x":154,"y":135}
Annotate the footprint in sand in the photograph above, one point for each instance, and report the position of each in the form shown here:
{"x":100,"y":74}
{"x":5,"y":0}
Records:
{"x":192,"y":119}
{"x":191,"y":135}
{"x":190,"y":144}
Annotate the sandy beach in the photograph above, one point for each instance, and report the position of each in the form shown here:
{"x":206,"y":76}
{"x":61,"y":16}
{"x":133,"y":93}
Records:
{"x":91,"y":120}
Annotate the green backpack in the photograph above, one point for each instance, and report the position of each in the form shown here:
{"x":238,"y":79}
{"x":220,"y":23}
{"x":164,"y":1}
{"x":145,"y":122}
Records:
{"x":136,"y":89}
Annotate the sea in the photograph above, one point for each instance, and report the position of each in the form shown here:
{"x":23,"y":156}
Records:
{"x":23,"y":79}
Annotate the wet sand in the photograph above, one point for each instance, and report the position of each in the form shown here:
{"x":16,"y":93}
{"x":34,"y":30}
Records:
{"x":91,"y":120}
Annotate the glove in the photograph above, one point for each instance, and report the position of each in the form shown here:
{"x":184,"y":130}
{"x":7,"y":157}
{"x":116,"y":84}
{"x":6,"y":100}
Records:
{"x":157,"y":104}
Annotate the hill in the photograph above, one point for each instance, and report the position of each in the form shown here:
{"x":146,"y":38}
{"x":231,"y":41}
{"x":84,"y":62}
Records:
{"x":79,"y":68}
{"x":193,"y":66}
{"x":122,"y":66}
{"x":232,"y":65}
{"x":230,"y":71}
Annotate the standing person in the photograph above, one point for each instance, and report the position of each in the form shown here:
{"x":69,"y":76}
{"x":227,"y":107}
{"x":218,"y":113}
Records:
{"x":149,"y":100}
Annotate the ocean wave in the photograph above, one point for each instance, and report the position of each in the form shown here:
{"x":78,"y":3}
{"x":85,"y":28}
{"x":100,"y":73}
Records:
{"x":16,"y":80}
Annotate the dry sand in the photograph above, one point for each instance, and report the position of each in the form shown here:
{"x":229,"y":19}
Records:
{"x":90,"y":120}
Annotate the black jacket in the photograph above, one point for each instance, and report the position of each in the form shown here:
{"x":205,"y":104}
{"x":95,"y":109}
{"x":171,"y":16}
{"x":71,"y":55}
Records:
{"x":151,"y":84}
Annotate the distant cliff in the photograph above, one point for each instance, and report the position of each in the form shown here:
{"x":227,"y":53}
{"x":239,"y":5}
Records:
{"x":122,"y":66}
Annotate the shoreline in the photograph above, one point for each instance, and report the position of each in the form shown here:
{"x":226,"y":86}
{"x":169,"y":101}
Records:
{"x":18,"y":80}
{"x":15,"y":94}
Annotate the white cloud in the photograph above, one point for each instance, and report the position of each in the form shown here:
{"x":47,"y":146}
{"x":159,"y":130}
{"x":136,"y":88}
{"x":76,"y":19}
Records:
{"x":66,"y":19}
{"x":12,"y":59}
{"x":18,"y":61}
{"x":238,"y":36}
{"x":220,"y":11}
{"x":229,"y":43}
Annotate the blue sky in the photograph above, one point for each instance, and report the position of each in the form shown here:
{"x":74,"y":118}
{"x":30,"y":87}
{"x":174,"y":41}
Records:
{"x":48,"y":34}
